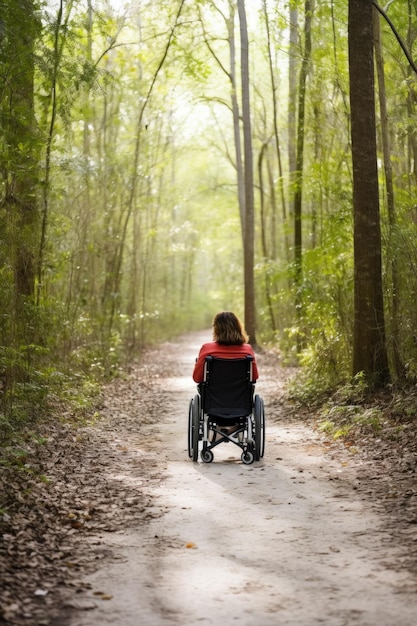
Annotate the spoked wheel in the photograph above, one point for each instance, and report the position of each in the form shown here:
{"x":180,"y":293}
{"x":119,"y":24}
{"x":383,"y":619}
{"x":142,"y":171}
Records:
{"x":259,"y":423}
{"x":196,"y":410}
{"x":247,"y":457}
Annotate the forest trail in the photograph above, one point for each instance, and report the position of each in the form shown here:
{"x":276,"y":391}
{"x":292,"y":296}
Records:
{"x":286,"y":541}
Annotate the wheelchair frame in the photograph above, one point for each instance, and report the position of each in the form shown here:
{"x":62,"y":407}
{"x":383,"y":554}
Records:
{"x":226,"y":401}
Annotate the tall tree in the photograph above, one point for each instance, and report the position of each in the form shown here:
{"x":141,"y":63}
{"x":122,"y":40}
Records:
{"x":21,"y":147}
{"x":274,"y":90}
{"x":292,"y":88}
{"x":298,"y":180}
{"x":249,"y":232}
{"x":392,"y":262}
{"x":20,"y":150}
{"x":60,"y":26}
{"x":369,"y":347}
{"x":229,"y":20}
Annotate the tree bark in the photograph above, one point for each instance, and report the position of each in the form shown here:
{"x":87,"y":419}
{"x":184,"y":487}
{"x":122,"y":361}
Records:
{"x":292,"y":97}
{"x":277,"y":145}
{"x":392,"y":261}
{"x":298,"y":181}
{"x":369,"y":347}
{"x":23,"y":147}
{"x":249,"y":239}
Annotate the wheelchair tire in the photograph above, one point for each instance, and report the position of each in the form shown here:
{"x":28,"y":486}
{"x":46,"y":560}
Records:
{"x":247,"y":457}
{"x":207,"y":456}
{"x":262,"y":450}
{"x":190,"y":428}
{"x":259,"y":423}
{"x":196,"y":412}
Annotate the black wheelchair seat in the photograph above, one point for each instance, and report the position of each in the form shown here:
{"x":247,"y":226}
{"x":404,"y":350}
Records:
{"x":227,"y":391}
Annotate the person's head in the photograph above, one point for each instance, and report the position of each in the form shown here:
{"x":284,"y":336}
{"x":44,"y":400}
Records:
{"x":228,"y":329}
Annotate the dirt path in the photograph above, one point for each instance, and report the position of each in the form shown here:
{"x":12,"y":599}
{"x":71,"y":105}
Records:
{"x":290,"y":540}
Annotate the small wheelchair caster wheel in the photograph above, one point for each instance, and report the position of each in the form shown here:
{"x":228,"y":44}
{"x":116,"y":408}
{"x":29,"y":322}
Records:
{"x":247,"y":457}
{"x":207,"y":456}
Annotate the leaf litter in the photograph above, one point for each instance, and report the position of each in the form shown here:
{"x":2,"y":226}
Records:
{"x":61,"y":486}
{"x":67,"y":483}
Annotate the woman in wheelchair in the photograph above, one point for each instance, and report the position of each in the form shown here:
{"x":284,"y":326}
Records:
{"x":226,"y":409}
{"x":230,"y":341}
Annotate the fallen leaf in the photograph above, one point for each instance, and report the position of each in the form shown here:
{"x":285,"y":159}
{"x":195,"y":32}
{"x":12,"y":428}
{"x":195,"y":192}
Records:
{"x":41,"y":592}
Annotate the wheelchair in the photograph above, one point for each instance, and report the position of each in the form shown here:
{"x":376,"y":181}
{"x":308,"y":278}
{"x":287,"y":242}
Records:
{"x":226,"y":410}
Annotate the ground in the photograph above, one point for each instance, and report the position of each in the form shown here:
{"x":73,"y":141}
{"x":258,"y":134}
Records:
{"x":115,"y":525}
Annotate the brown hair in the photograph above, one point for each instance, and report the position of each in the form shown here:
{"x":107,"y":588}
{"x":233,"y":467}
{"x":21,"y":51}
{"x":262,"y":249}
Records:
{"x":228,"y":329}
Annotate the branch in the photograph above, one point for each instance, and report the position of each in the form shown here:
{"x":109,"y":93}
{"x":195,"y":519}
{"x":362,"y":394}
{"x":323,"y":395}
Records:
{"x":162,"y":61}
{"x":210,"y":48}
{"x":218,"y":101}
{"x":398,"y":37}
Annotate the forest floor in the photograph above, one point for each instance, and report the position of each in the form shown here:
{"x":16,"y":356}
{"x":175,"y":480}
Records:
{"x":109,"y":522}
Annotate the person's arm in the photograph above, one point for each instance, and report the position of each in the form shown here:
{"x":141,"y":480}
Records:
{"x":198,"y":373}
{"x":255,"y":373}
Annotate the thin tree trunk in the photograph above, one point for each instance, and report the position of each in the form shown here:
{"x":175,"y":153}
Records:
{"x":249,"y":246}
{"x":298,"y":181}
{"x":411,"y":106}
{"x":265,"y":254}
{"x":231,"y":75}
{"x":386,"y":148}
{"x":236,"y":122}
{"x":59,"y":43}
{"x":292,"y":98}
{"x":276,"y":134}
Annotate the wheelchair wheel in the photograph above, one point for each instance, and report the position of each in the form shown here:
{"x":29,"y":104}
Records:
{"x":247,"y":457}
{"x":190,"y":428}
{"x":195,"y":427}
{"x":259,"y":423}
{"x":207,"y":456}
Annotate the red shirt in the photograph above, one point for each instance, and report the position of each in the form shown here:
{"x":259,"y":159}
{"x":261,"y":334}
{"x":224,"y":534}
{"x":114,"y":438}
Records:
{"x":223,"y":352}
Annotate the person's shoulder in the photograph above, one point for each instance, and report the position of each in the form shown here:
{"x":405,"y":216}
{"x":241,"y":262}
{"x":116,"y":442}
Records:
{"x":207,"y":347}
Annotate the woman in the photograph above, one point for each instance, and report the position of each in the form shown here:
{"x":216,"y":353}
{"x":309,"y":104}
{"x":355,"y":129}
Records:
{"x":230,"y":341}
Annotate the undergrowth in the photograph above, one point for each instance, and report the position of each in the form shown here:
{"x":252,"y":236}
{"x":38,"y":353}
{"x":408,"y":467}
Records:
{"x":354,"y":409}
{"x":56,"y":395}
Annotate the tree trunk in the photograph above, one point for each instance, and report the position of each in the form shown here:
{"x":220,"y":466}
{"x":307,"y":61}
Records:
{"x":277,"y":143}
{"x":236,"y":121}
{"x":369,"y":348}
{"x":263,"y":224}
{"x":292,"y":98}
{"x":23,"y":156}
{"x":249,"y":242}
{"x":298,"y":181}
{"x":411,"y":107}
{"x":389,"y":184}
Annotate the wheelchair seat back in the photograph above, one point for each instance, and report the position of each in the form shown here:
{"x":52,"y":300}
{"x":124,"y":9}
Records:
{"x":227,"y":390}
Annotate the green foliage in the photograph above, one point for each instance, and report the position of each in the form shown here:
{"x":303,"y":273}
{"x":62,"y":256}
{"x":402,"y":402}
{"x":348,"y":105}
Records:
{"x":401,"y":256}
{"x":344,"y":414}
{"x":343,"y":421}
{"x":318,"y":335}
